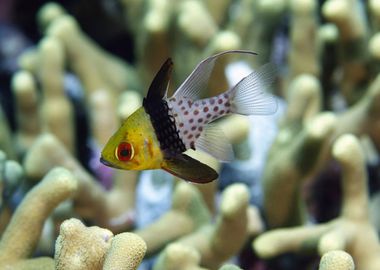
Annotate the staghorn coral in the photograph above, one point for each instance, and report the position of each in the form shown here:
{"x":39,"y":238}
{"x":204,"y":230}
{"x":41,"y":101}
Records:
{"x":81,"y":247}
{"x":11,"y":177}
{"x":212,"y":244}
{"x":91,"y":200}
{"x":27,"y":221}
{"x":188,"y":212}
{"x":336,"y":260}
{"x":72,"y":246}
{"x":351,"y":231}
{"x":179,"y":256}
{"x":334,"y":55}
{"x":122,"y":244}
{"x":308,"y":153}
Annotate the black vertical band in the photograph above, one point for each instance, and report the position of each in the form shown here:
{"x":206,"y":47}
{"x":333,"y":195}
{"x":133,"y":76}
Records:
{"x":164,"y":126}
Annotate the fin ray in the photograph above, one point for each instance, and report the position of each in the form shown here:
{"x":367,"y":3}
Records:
{"x":214,"y":142}
{"x":198,"y":79}
{"x":250,"y":95}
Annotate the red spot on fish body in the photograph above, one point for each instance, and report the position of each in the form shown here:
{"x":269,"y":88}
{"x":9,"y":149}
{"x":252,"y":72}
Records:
{"x":192,"y":145}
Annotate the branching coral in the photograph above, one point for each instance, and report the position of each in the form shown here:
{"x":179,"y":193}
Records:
{"x":308,"y":152}
{"x":331,"y":58}
{"x":77,"y":247}
{"x":336,"y":260}
{"x":352,"y":231}
{"x":213,"y":242}
{"x":27,"y":221}
{"x":188,"y":212}
{"x":91,"y":200}
{"x":81,"y":247}
{"x":11,"y":177}
{"x":296,"y":152}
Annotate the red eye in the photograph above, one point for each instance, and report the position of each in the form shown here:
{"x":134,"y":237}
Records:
{"x":124,"y":152}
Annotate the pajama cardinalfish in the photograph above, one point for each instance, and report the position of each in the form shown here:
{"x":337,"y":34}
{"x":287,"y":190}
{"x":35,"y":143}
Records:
{"x":157,"y":134}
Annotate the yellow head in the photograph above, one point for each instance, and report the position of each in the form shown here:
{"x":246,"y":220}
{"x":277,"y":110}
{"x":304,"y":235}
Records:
{"x":134,"y":146}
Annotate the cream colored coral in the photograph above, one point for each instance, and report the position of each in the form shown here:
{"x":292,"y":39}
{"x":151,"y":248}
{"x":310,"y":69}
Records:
{"x":26,"y":109}
{"x":78,"y":247}
{"x":214,"y":242}
{"x":91,"y":201}
{"x":351,"y":231}
{"x":178,"y":256}
{"x":230,"y":267}
{"x":26,"y":223}
{"x":126,"y":252}
{"x":303,"y":56}
{"x":336,"y":260}
{"x":188,"y":212}
{"x":56,"y":111}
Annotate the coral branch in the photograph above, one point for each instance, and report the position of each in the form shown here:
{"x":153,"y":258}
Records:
{"x":352,"y":231}
{"x":336,"y":260}
{"x":188,"y":212}
{"x":91,"y":200}
{"x":126,"y":252}
{"x":26,"y":223}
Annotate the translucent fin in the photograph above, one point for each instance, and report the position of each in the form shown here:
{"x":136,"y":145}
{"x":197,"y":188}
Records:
{"x":189,"y":169}
{"x":250,"y":94}
{"x":198,"y":79}
{"x":214,"y":142}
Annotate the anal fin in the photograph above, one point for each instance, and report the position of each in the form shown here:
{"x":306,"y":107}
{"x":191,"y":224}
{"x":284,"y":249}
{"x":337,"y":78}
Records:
{"x":189,"y":169}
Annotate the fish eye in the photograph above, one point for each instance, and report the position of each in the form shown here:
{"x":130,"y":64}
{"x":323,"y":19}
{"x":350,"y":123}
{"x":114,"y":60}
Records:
{"x":124,"y":151}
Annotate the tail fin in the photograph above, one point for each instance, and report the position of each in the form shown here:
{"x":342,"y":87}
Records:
{"x":250,"y":96}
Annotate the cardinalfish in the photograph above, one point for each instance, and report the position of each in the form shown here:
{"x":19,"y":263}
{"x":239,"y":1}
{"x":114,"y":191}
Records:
{"x":157,"y":134}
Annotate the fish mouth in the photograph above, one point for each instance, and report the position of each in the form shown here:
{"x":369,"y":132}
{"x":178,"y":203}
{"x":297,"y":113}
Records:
{"x":107,"y":163}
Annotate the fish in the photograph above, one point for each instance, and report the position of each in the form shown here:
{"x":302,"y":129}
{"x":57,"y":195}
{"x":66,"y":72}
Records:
{"x":157,"y":135}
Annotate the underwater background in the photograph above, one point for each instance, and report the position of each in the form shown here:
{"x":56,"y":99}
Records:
{"x":302,"y":192}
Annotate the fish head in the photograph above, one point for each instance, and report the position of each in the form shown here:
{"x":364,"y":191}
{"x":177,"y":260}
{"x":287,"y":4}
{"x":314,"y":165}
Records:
{"x":134,"y":146}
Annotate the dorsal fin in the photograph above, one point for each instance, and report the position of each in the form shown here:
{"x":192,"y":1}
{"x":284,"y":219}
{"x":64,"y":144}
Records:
{"x":197,"y":81}
{"x":159,"y":85}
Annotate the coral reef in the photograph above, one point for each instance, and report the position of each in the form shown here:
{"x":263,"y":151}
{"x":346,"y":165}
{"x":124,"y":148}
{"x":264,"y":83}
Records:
{"x":27,"y":221}
{"x":351,"y":231}
{"x":315,"y":191}
{"x":336,"y":260}
{"x":79,"y":247}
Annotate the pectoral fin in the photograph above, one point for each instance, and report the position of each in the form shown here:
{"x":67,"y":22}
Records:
{"x":189,"y":169}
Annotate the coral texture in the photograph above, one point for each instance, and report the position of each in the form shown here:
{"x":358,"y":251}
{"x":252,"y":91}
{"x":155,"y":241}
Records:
{"x":315,"y":191}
